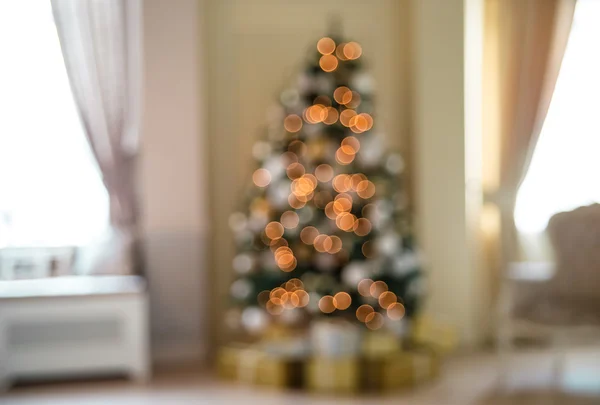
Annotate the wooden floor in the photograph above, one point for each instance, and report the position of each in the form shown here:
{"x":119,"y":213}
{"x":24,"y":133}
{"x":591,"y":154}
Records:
{"x":466,"y":380}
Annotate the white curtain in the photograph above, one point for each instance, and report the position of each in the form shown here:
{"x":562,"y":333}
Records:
{"x":98,"y":44}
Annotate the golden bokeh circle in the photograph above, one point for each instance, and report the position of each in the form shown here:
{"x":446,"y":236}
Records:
{"x":274,"y":230}
{"x":374,"y":320}
{"x":364,"y":287}
{"x":328,"y":63}
{"x":386,"y":299}
{"x":289,"y":219}
{"x":342,"y":300}
{"x":308,"y":235}
{"x":324,"y":172}
{"x":396,"y":311}
{"x":352,"y":50}
{"x":362,"y":227}
{"x":292,"y":123}
{"x":326,"y":46}
{"x":378,"y":288}
{"x":363,"y":312}
{"x":326,"y":304}
{"x":339,"y":94}
{"x":346,"y":116}
{"x":261,"y":177}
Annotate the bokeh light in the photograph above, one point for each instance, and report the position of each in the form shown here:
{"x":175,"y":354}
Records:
{"x":326,"y":46}
{"x":386,"y":299}
{"x":294,"y":171}
{"x":352,"y":142}
{"x":331,"y":116}
{"x":289,"y":219}
{"x":336,"y":244}
{"x":297,"y":147}
{"x":378,"y":288}
{"x":308,"y":235}
{"x":362,"y":227}
{"x":374,"y":320}
{"x":261,"y":177}
{"x":328,"y":63}
{"x":339,"y":52}
{"x":363,"y":312}
{"x":322,"y":243}
{"x":345,"y":155}
{"x":342,"y":301}
{"x":396,"y":311}
{"x":368,"y":249}
{"x":274,"y":230}
{"x":352,"y":99}
{"x":342,"y":183}
{"x":326,"y":304}
{"x":364,"y":287}
{"x":365,"y":189}
{"x":346,"y":116}
{"x":352,"y":50}
{"x":324,"y":173}
{"x":292,"y":123}
{"x":342,"y":95}
{"x":345,"y":221}
{"x":273,"y":308}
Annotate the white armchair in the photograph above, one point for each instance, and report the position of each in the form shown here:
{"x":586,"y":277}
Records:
{"x":560,"y":300}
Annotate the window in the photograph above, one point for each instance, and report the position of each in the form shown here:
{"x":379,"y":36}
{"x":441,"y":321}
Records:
{"x":565,"y":169}
{"x":51,"y":193}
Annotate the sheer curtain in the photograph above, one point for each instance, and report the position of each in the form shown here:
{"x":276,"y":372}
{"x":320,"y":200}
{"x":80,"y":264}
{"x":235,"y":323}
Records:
{"x":565,"y":168}
{"x":51,"y":193}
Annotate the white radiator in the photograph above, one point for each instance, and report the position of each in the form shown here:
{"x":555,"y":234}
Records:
{"x":73,"y":326}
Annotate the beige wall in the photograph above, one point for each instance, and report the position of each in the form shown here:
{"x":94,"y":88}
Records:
{"x":447,"y":131}
{"x":173,"y":178}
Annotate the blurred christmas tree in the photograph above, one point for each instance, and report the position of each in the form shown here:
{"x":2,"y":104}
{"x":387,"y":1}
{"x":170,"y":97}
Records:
{"x":326,"y":231}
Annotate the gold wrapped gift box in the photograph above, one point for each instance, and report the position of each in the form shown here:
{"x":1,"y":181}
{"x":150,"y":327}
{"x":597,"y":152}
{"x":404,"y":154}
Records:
{"x":333,"y":375}
{"x":253,"y":366}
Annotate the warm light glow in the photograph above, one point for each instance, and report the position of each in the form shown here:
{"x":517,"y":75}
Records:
{"x":293,"y":284}
{"x":386,"y":299}
{"x":356,"y":179}
{"x":374,"y":320}
{"x":364,"y":287}
{"x":274,"y":230}
{"x":326,"y":46}
{"x":342,"y":203}
{"x":289,"y":219}
{"x":368,"y":249}
{"x":323,"y":100}
{"x":342,"y":183}
{"x":273,"y":308}
{"x":363,"y":312}
{"x":329,"y":212}
{"x":294,"y":171}
{"x":345,"y":221}
{"x":331,"y":117}
{"x":277,"y":243}
{"x":324,"y":173}
{"x":336,"y":245}
{"x":323,"y":243}
{"x":365,"y":189}
{"x":346,"y":116}
{"x":342,"y":301}
{"x":328,"y":63}
{"x":276,"y":294}
{"x":326,"y":304}
{"x":303,"y":298}
{"x":352,"y":100}
{"x":352,"y":142}
{"x":261,"y":177}
{"x":378,"y":288}
{"x":287,"y":158}
{"x":339,"y":52}
{"x":342,"y":95}
{"x":292,"y":123}
{"x":396,"y":311}
{"x":295,"y":202}
{"x":308,"y":235}
{"x":352,"y":50}
{"x":345,"y":155}
{"x":362,"y":227}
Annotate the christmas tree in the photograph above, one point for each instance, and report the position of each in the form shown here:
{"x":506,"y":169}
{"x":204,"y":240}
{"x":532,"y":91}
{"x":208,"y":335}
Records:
{"x":326,"y":231}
